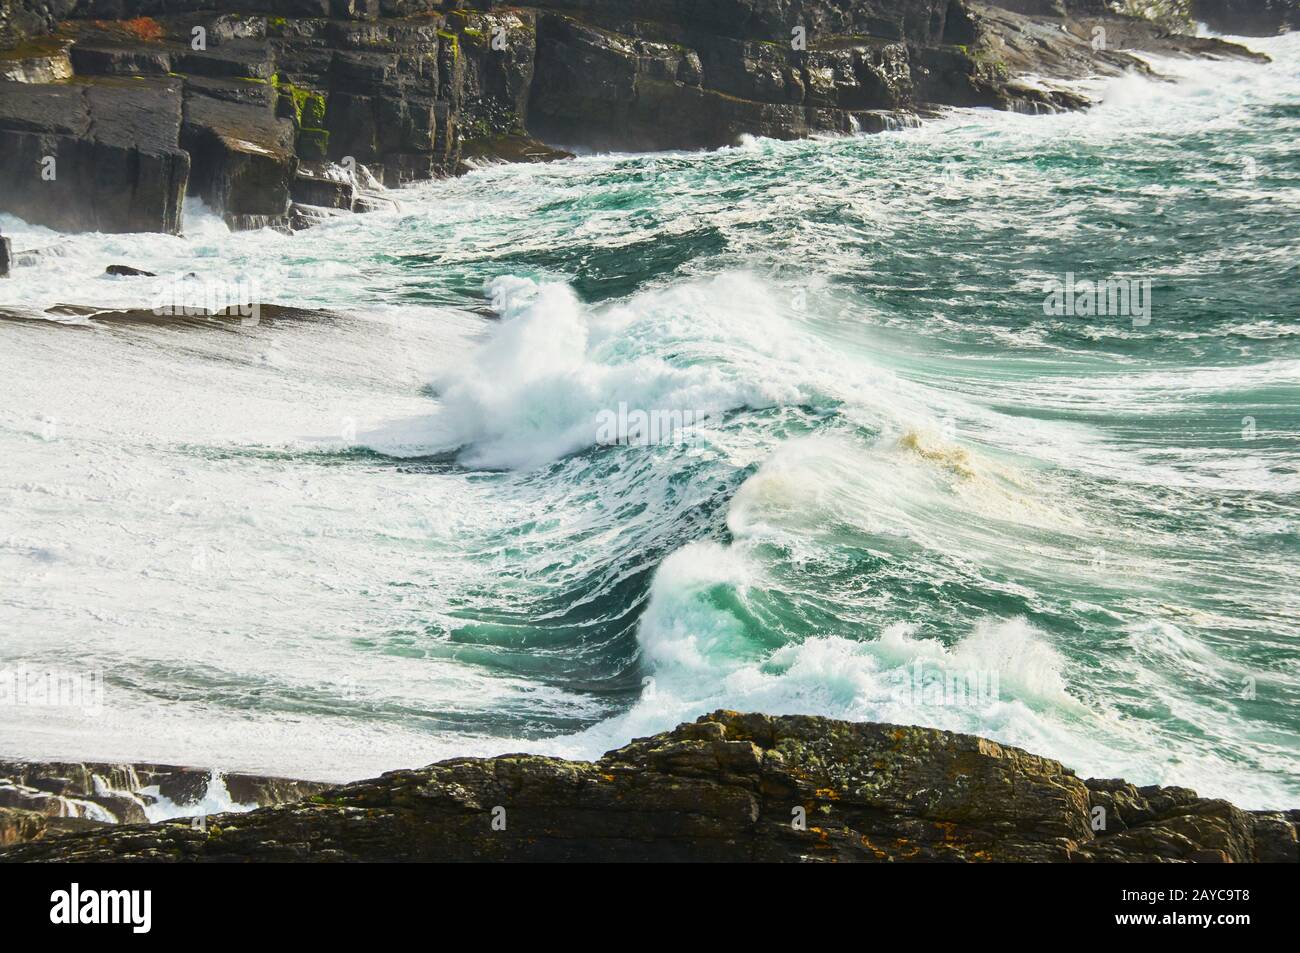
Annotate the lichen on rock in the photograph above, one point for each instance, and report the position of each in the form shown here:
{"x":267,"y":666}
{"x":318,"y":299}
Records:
{"x":728,"y":787}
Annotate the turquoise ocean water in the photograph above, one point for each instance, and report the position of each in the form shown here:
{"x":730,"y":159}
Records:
{"x":335,"y":547}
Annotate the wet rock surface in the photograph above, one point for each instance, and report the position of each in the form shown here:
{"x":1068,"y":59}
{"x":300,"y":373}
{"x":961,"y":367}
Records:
{"x":139,"y":103}
{"x":18,"y":825}
{"x":45,"y":798}
{"x":728,"y":787}
{"x":231,"y":319}
{"x":93,"y":156}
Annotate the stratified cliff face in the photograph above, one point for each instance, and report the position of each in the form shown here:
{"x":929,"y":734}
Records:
{"x":665,"y":73}
{"x":112,"y":111}
{"x":729,"y":787}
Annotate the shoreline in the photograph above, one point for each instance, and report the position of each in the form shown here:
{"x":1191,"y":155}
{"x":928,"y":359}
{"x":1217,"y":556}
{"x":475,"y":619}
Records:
{"x":310,"y":538}
{"x":726,"y":787}
{"x":286,"y":122}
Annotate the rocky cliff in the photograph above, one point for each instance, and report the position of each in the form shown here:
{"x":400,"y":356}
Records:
{"x":282,"y":112}
{"x":729,"y":787}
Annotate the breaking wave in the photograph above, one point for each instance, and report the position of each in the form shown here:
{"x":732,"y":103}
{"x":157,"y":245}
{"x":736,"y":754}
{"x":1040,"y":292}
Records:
{"x":916,"y":497}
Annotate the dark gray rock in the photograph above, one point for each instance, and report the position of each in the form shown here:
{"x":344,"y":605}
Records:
{"x":244,"y":92}
{"x":510,"y":147}
{"x":498,"y":52}
{"x":315,"y":185}
{"x":233,"y":61}
{"x":306,"y":216}
{"x":1248,"y":17}
{"x":119,"y":59}
{"x":728,"y":787}
{"x":416,"y":88}
{"x":375,"y":202}
{"x":244,"y":158}
{"x":614,"y":75}
{"x":94,"y":156}
{"x":6,"y":256}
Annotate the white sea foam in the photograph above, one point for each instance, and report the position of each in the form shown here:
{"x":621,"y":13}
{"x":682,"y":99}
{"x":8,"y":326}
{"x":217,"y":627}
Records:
{"x":216,"y":800}
{"x":703,"y":638}
{"x":535,"y":389}
{"x":154,"y":479}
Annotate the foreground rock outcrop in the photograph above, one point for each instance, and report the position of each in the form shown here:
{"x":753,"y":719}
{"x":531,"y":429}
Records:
{"x":283,"y":112}
{"x":729,"y":787}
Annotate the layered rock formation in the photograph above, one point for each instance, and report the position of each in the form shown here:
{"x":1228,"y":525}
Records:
{"x":244,"y":110}
{"x":100,"y":157}
{"x":40,"y":799}
{"x":729,"y":787}
{"x":282,"y":112}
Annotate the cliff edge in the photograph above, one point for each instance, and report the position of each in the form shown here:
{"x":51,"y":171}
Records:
{"x":281,"y":113}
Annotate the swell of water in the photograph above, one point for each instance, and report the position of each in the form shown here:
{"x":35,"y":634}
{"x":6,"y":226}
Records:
{"x":329,"y":548}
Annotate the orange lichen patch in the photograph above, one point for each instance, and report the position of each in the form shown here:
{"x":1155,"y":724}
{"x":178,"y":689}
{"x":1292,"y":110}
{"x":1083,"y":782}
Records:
{"x":607,"y":777}
{"x":949,"y":830}
{"x":903,"y":850}
{"x":880,"y":854}
{"x":144,"y":28}
{"x":829,"y":794}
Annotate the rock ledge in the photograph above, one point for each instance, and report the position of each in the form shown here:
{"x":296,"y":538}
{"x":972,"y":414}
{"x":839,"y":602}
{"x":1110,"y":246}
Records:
{"x":728,"y":787}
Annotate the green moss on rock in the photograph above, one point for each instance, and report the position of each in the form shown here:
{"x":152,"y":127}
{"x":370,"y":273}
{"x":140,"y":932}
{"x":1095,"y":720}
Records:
{"x":313,"y":144}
